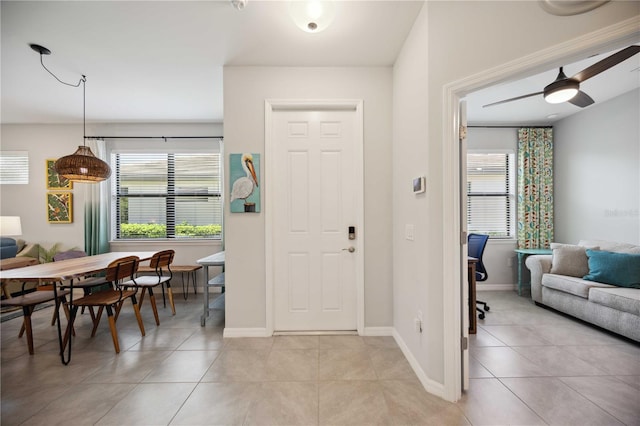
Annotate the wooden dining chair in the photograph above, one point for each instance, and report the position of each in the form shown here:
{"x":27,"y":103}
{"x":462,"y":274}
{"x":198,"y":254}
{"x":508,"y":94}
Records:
{"x":112,"y":299}
{"x":161,"y":264}
{"x":28,"y":303}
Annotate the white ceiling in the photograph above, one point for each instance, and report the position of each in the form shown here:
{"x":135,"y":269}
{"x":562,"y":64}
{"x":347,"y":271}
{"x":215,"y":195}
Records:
{"x":161,"y":61}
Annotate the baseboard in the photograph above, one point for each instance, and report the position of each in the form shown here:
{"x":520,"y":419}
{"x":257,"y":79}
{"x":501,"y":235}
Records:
{"x":429,"y":385}
{"x":245,"y":332}
{"x":495,"y":287}
{"x":378,"y":331}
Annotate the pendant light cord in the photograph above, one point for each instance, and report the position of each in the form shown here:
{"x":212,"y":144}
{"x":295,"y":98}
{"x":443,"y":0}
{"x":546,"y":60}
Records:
{"x":54,"y":76}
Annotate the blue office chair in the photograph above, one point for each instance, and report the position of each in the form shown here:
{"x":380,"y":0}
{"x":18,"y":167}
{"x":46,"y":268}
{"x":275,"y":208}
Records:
{"x":475,"y":248}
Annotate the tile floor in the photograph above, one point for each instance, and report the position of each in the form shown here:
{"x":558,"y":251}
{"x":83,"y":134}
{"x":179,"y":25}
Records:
{"x":527,"y":366}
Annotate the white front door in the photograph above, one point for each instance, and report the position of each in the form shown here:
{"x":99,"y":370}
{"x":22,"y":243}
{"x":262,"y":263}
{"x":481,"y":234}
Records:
{"x":464,"y":282}
{"x":316,"y":189}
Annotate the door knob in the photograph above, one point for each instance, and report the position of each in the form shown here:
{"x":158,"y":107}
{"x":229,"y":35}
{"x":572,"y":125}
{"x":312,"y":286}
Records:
{"x":350,"y":249}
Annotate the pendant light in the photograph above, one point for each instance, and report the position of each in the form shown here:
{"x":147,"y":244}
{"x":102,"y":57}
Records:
{"x":81,"y":166}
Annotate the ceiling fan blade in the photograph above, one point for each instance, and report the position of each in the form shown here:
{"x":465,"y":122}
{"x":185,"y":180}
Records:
{"x":606,"y":63}
{"x":512,"y":99}
{"x":581,"y":99}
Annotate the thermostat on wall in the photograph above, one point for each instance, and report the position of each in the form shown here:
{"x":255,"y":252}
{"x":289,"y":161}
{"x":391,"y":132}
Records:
{"x":418,"y":185}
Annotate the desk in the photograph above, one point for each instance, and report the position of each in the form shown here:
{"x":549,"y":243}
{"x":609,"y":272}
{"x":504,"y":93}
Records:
{"x":68,"y":270}
{"x":471,"y":273}
{"x":213,"y":260}
{"x":522,"y":255}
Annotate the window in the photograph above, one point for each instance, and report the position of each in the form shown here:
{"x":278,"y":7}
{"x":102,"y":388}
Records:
{"x":14,"y":167}
{"x":167,"y":195}
{"x":490,"y":197}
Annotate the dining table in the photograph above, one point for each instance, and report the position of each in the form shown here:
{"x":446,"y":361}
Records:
{"x":68,"y":270}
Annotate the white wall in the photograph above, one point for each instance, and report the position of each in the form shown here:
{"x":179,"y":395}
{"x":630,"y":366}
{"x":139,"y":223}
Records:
{"x":597,"y":172}
{"x":245,"y":90}
{"x":44,"y":141}
{"x":440,"y":50}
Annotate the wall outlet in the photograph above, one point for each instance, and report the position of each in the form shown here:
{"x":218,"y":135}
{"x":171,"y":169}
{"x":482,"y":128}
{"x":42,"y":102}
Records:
{"x":417,"y":325}
{"x":409,"y":232}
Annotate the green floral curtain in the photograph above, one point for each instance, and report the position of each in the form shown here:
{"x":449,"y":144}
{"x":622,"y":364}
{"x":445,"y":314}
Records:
{"x":96,"y":213}
{"x":535,"y":187}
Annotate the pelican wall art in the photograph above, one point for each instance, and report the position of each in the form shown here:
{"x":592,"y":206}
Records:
{"x":244,"y":170}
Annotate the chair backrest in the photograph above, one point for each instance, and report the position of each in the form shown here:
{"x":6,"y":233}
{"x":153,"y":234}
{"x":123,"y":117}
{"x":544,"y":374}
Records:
{"x":122,"y":269}
{"x":161,"y":260}
{"x":69,"y":254}
{"x":475,"y":248}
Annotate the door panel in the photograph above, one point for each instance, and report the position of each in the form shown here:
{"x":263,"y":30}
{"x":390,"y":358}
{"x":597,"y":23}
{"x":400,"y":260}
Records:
{"x":314,"y":204}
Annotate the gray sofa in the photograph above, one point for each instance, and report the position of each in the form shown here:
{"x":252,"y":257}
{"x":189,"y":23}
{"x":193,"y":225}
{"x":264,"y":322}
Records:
{"x":556,"y":282}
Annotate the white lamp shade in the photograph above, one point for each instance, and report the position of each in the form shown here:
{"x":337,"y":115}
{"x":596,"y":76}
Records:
{"x":312,"y":16}
{"x":10,"y":226}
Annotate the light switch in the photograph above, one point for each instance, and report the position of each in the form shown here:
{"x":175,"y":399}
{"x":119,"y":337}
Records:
{"x":408,"y":232}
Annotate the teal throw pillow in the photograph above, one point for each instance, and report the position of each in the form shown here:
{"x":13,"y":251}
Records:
{"x":621,"y":269}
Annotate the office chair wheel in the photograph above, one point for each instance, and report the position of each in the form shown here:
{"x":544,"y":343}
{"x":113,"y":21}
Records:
{"x":486,"y":308}
{"x":481,"y":316}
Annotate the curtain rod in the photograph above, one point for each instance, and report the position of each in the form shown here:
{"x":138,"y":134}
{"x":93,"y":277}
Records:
{"x":508,"y":127}
{"x":155,"y":137}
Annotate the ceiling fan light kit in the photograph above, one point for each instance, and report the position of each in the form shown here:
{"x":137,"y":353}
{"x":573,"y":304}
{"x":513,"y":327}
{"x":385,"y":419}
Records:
{"x":81,"y":166}
{"x":565,"y":89}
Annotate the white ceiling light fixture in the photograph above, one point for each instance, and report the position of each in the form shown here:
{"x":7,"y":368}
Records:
{"x":312,"y":16}
{"x":239,"y":4}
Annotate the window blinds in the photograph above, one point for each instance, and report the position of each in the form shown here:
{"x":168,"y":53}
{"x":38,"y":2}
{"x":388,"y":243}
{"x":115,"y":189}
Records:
{"x":168,"y":195}
{"x":488,"y":194}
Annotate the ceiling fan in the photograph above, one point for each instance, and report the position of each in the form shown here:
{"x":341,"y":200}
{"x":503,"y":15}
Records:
{"x":565,"y":89}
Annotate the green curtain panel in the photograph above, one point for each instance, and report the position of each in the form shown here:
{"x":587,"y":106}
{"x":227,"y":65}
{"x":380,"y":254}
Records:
{"x":96,"y":213}
{"x":535,"y":187}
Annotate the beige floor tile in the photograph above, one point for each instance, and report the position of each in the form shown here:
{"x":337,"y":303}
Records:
{"x":390,"y":363}
{"x":506,"y":362}
{"x":484,"y":338}
{"x":573,"y":334}
{"x":476,"y":370}
{"x":342,"y":342}
{"x":204,"y":339}
{"x":81,"y":404}
{"x":23,"y":400}
{"x":218,"y":404}
{"x":238,"y":366}
{"x":557,"y":362}
{"x":149,"y":404}
{"x":292,"y":365}
{"x":618,"y":399}
{"x":489,"y":402}
{"x":182,"y":366}
{"x":557,"y":403}
{"x":285,"y":403}
{"x":249,"y":343}
{"x":515,"y":335}
{"x":409,"y":404}
{"x":128,"y":367}
{"x":614,"y":359}
{"x":380,"y":341}
{"x":633,"y":381}
{"x":295,"y":342}
{"x":352,"y":403}
{"x":163,"y":339}
{"x":345,"y":364}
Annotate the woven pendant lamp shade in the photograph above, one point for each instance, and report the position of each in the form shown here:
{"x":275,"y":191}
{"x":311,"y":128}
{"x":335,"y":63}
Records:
{"x":83,"y":166}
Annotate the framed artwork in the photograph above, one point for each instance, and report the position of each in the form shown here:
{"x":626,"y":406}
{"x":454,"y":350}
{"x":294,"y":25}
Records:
{"x":60,"y":207}
{"x":244,"y":175}
{"x":54,"y":180}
